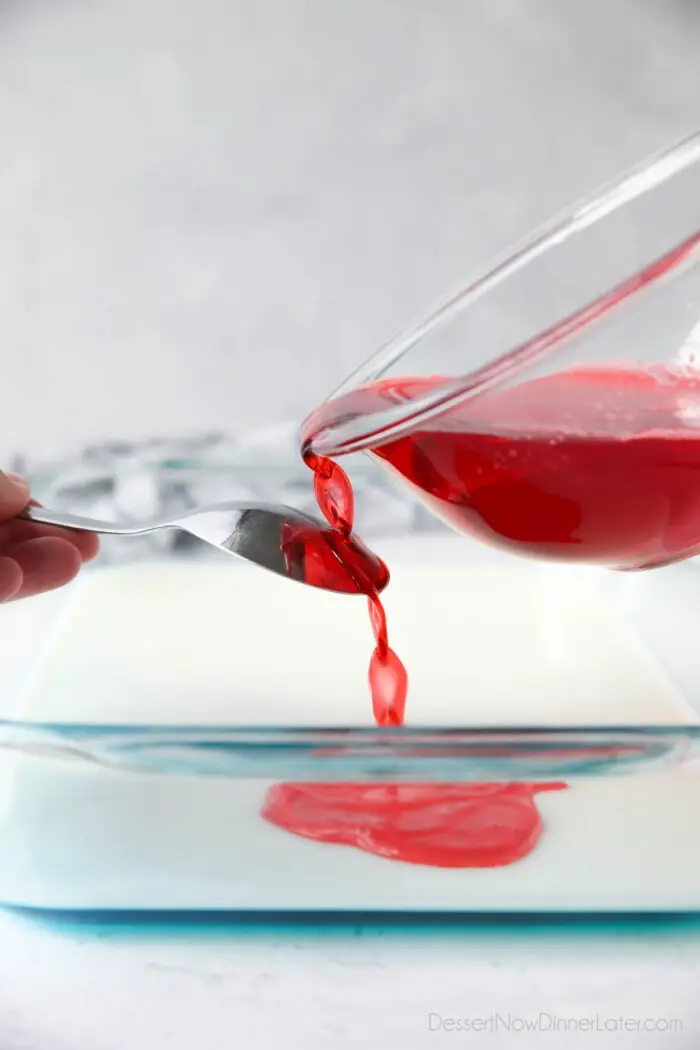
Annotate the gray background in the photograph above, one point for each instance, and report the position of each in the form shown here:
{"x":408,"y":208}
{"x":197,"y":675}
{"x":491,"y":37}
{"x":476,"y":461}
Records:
{"x":212,"y":210}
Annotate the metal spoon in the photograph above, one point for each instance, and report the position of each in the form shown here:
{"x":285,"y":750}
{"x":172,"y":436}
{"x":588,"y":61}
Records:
{"x":277,"y":538}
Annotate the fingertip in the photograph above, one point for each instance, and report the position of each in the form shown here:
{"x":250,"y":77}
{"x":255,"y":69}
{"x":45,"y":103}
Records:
{"x":10,"y":579}
{"x":45,"y":563}
{"x":19,"y":530}
{"x":88,"y":544}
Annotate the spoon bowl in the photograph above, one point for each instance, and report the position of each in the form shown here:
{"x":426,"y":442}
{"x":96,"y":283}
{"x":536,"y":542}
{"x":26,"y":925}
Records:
{"x":274,"y":537}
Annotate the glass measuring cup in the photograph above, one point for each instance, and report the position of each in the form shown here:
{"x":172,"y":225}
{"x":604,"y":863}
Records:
{"x":551,"y":407}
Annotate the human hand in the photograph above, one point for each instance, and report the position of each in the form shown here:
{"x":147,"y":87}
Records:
{"x":33,"y":557}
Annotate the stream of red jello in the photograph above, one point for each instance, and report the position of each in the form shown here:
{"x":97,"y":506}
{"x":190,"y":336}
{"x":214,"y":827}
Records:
{"x":388,"y":679}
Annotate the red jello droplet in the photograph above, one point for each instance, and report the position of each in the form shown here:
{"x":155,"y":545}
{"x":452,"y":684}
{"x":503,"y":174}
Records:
{"x":388,"y":682}
{"x":335,"y":498}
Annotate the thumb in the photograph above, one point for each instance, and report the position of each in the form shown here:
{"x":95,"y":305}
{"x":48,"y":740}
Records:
{"x":14,"y":495}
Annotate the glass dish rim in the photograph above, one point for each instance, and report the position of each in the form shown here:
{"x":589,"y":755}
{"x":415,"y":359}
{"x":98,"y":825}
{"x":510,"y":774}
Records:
{"x":365,"y":754}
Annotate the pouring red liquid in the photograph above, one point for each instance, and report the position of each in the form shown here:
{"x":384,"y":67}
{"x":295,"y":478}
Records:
{"x":387,"y":675}
{"x":597,"y":465}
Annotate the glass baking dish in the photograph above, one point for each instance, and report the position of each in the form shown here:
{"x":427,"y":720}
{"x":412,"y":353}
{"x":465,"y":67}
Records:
{"x":180,"y":732}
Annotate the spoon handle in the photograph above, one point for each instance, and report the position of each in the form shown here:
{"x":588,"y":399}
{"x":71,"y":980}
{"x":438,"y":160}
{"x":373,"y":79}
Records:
{"x":75,"y":521}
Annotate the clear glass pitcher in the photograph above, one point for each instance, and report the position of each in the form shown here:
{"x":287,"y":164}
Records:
{"x":552,"y":406}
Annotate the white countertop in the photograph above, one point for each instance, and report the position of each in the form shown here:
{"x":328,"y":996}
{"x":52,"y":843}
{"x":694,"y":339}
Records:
{"x":102,"y":988}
